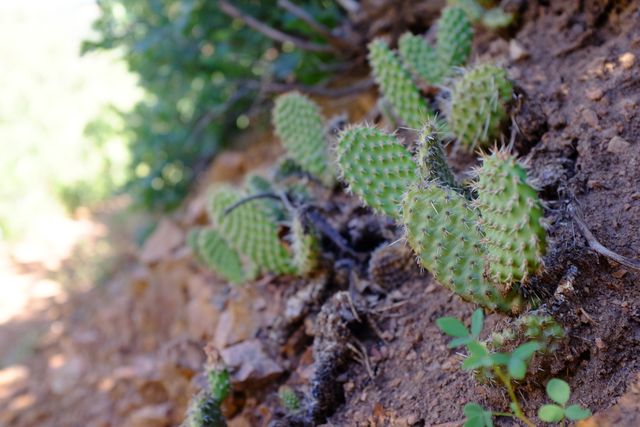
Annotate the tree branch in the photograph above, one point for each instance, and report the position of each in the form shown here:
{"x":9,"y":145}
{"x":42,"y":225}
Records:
{"x":271,"y":32}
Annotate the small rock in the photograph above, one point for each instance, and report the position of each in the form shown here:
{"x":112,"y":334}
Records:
{"x":237,"y":323}
{"x":595,"y":94}
{"x":150,"y":416}
{"x":516,"y":51}
{"x":590,"y":117}
{"x":167,"y":237}
{"x":250,"y":364}
{"x":627,"y":60}
{"x":618,"y":145}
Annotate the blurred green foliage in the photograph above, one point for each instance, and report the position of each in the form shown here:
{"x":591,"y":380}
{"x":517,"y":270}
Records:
{"x":201,"y":71}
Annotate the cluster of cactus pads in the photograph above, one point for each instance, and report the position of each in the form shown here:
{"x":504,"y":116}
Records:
{"x":481,"y":248}
{"x":476,"y":109}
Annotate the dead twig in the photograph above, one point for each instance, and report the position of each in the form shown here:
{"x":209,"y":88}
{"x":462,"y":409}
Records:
{"x":250,"y":198}
{"x":597,"y":246}
{"x":271,"y":32}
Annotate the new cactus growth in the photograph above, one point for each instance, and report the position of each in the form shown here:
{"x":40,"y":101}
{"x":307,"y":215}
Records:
{"x":397,"y":86}
{"x":511,"y":214}
{"x":205,"y":412}
{"x":419,"y":57}
{"x":300,"y":126}
{"x":441,"y":229}
{"x":478,"y":105}
{"x":377,"y":168}
{"x":454,"y":40}
{"x":289,"y":399}
{"x":216,"y":253}
{"x":250,"y":231}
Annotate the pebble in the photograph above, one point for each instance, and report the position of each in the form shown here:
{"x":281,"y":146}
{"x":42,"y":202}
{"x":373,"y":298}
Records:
{"x":627,"y":60}
{"x":618,"y":145}
{"x":590,"y":117}
{"x":595,"y":94}
{"x":516,"y":51}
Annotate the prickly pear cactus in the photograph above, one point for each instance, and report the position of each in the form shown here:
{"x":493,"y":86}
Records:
{"x":300,"y":126}
{"x":511,"y":214}
{"x":419,"y":57}
{"x":289,"y":399}
{"x":305,"y":247}
{"x":478,"y":105}
{"x":256,"y":184}
{"x":397,"y":86}
{"x":250,"y":231}
{"x":205,"y":412}
{"x":216,"y":253}
{"x":377,"y":168}
{"x":455,"y":36}
{"x":441,"y":229}
{"x":431,"y":158}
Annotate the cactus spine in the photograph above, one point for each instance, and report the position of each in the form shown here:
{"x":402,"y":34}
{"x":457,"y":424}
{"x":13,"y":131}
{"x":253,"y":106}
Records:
{"x":377,"y":168}
{"x":478,"y":105}
{"x":397,"y":86}
{"x":511,"y":214}
{"x":455,"y":36}
{"x":250,"y":231}
{"x":300,"y":126}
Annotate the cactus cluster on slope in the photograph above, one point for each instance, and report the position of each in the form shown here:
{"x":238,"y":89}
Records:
{"x":457,"y":239}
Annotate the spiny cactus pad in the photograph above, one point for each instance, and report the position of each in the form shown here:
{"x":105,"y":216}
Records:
{"x":250,"y":231}
{"x":511,"y":214}
{"x":300,"y":126}
{"x":216,"y":253}
{"x":205,"y":412}
{"x":256,"y":184}
{"x":397,"y":86}
{"x":377,"y":168}
{"x":419,"y":57}
{"x":478,"y":105}
{"x":441,"y":229}
{"x":305,"y":247}
{"x":432,"y":160}
{"x":455,"y":36}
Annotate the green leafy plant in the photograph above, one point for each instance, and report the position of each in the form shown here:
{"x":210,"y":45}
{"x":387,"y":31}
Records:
{"x":300,"y":126}
{"x":506,"y":368}
{"x":557,"y":412}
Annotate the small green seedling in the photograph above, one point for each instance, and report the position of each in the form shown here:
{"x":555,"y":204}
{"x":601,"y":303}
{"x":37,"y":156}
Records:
{"x":505,"y":367}
{"x":289,"y":399}
{"x":559,"y":392}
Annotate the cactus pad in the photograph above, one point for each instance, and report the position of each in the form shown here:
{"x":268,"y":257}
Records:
{"x":432,"y":160}
{"x":205,"y":412}
{"x":441,"y":229}
{"x":299,"y":125}
{"x":478,"y":105}
{"x":397,"y":86}
{"x":249,"y":230}
{"x":455,"y":36}
{"x":419,"y":57}
{"x":377,"y":168}
{"x":305,"y":247}
{"x":511,"y":214}
{"x":216,"y":253}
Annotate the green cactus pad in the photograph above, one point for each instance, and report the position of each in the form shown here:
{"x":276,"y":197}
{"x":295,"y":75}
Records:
{"x":455,"y":36}
{"x":432,"y":160}
{"x":419,"y":57}
{"x":300,"y":126}
{"x":478,"y":105}
{"x":216,"y":253}
{"x":305,"y":247}
{"x":205,"y":412}
{"x":256,"y":184}
{"x":441,"y":229}
{"x":377,"y":168}
{"x":397,"y":86}
{"x":511,"y":214}
{"x":249,"y":230}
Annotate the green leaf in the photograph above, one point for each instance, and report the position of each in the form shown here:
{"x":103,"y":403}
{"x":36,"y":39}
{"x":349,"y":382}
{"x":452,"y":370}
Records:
{"x":500,"y":358}
{"x":558,"y":391}
{"x":576,"y":412}
{"x":477,"y":416}
{"x":477,"y":321}
{"x":472,"y":362}
{"x":457,"y":342}
{"x":472,"y":410}
{"x":517,"y":368}
{"x":477,"y":349}
{"x":452,"y":327}
{"x":526,"y":350}
{"x":551,"y":413}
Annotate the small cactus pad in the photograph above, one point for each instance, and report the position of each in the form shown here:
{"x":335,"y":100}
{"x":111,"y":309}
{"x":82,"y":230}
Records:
{"x":511,"y":214}
{"x":478,"y":105}
{"x":216,"y":253}
{"x":256,"y":184}
{"x":377,"y":168}
{"x":455,"y":36}
{"x":250,"y":231}
{"x":299,"y":125}
{"x":392,"y":265}
{"x":397,"y":86}
{"x":432,"y":160}
{"x":305,"y":247}
{"x":205,"y":412}
{"x":441,"y":229}
{"x":419,"y":57}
